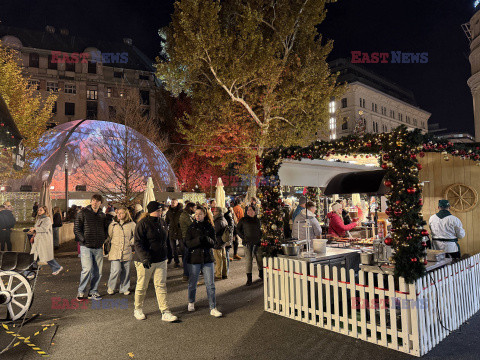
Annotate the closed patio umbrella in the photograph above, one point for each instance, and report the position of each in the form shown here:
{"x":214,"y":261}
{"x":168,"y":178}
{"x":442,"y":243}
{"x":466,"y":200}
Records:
{"x":220,"y":194}
{"x":148,"y":195}
{"x":45,"y":198}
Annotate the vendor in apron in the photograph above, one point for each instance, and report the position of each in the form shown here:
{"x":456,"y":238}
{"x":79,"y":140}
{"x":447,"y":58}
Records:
{"x":446,"y":230}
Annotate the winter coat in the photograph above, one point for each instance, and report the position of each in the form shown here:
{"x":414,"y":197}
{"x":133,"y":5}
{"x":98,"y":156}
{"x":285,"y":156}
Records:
{"x":172,"y":219}
{"x":121,"y":235}
{"x":220,"y":226}
{"x":250,"y":230}
{"x":91,"y":228}
{"x":7,"y":220}
{"x":300,"y":231}
{"x":230,"y":217}
{"x":200,"y":239}
{"x":151,"y":240}
{"x":184,"y":221}
{"x":57,"y":220}
{"x":336,"y":226}
{"x":42,"y":246}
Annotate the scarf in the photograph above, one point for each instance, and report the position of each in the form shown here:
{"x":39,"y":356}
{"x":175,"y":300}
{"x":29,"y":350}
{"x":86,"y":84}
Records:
{"x":443,"y":214}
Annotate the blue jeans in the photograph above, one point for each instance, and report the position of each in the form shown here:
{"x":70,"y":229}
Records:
{"x":208,"y":275}
{"x":54,"y":265}
{"x":119,"y":269}
{"x":184,"y":261}
{"x":92,"y":263}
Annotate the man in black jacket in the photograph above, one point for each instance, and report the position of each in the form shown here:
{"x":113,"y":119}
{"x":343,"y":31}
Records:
{"x":174,"y":232}
{"x":151,"y":260}
{"x":7,"y":222}
{"x":90,"y":231}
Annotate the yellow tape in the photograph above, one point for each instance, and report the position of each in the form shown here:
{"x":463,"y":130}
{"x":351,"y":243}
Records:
{"x":26,"y":340}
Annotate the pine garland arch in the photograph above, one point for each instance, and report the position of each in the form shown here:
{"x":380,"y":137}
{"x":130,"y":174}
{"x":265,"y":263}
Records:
{"x":398,"y":153}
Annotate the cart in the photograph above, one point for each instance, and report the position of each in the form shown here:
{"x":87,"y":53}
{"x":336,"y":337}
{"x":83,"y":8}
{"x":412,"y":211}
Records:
{"x":16,"y":292}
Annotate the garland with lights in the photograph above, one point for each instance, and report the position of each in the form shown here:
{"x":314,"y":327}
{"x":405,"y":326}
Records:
{"x":398,"y":153}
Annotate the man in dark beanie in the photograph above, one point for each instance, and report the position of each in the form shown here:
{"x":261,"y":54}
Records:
{"x":151,"y":260}
{"x":446,"y":229}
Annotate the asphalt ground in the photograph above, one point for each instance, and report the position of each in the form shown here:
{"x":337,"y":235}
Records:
{"x":245,"y":331}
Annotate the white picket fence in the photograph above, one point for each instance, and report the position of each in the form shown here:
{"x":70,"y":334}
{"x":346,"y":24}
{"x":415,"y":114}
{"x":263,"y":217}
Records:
{"x":374,"y":307}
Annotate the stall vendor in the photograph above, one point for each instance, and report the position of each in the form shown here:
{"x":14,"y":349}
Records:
{"x":446,"y":229}
{"x":300,"y":223}
{"x":336,"y":226}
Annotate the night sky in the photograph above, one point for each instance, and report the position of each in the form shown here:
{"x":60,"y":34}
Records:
{"x":432,"y":26}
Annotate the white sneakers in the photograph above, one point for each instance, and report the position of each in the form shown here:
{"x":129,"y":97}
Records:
{"x":168,"y":316}
{"x":216,"y":313}
{"x":110,"y":291}
{"x":191,"y":306}
{"x":139,"y":315}
{"x":126,"y":292}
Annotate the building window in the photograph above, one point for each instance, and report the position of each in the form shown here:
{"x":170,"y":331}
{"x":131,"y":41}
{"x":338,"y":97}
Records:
{"x":109,"y":92}
{"x":35,"y":84}
{"x":91,"y":109}
{"x":345,"y":123}
{"x":145,"y":97}
{"x":118,"y":74}
{"x":70,"y":89}
{"x":144,"y":77}
{"x":69,"y":109}
{"x":400,"y":117}
{"x":52,"y":86}
{"x":54,"y":108}
{"x":344,"y":103}
{"x":415,"y":122}
{"x":112,"y":112}
{"x":364,"y":103}
{"x":376,"y":109}
{"x":92,"y":67}
{"x":51,"y":65}
{"x":333,"y":128}
{"x":92,"y":95}
{"x":33,"y":60}
{"x":70,"y":66}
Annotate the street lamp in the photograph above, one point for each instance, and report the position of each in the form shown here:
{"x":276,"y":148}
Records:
{"x":66,"y":182}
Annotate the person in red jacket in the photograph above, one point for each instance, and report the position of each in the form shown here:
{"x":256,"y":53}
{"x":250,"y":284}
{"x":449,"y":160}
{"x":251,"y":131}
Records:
{"x":336,"y":226}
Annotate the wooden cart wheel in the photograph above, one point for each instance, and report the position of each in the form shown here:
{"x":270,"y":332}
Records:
{"x":462,"y":197}
{"x":15,"y":293}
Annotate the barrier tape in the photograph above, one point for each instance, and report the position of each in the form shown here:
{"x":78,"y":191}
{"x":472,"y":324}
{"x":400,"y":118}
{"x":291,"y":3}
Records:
{"x":26,"y":340}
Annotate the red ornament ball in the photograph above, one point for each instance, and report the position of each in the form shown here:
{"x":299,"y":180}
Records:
{"x":422,"y":154}
{"x":388,"y":183}
{"x":388,"y":241}
{"x":420,"y":202}
{"x":397,"y":212}
{"x":386,"y":157}
{"x":419,"y":166}
{"x":384,"y":166}
{"x":413,"y":156}
{"x":397,"y":202}
{"x":424,"y":232}
{"x":411,"y":190}
{"x":424,"y":244}
{"x":414,"y":260}
{"x":425,"y":262}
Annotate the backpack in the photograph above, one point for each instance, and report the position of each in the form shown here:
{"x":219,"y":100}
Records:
{"x":226,"y":236}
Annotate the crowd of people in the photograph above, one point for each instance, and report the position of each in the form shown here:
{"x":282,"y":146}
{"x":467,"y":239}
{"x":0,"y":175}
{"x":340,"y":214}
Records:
{"x":203,"y":237}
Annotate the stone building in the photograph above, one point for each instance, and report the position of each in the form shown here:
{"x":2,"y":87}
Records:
{"x":472,"y":30}
{"x":84,"y":73}
{"x":379,"y":103}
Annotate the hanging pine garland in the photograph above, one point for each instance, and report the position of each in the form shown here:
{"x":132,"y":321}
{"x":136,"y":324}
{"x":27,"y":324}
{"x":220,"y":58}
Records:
{"x":398,"y":153}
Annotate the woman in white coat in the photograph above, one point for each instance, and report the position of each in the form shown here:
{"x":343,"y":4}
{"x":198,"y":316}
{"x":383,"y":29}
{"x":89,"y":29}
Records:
{"x":42,"y":246}
{"x":120,"y":232}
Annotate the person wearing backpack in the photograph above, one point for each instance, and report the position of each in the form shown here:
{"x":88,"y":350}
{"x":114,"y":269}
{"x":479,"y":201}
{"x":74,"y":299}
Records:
{"x":221,"y":228}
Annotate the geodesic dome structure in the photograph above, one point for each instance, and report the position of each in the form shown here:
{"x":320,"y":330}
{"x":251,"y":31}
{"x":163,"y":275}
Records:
{"x":99,"y":155}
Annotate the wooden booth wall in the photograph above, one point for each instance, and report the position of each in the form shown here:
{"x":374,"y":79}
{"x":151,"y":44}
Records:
{"x":441,"y":174}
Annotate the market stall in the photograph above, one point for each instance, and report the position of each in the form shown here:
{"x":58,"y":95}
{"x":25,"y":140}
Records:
{"x":403,"y":299}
